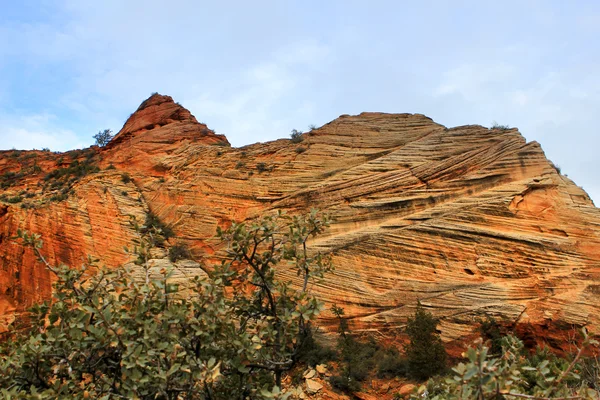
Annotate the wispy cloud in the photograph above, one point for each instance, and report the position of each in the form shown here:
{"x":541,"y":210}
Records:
{"x":255,"y":70}
{"x":37,"y":131}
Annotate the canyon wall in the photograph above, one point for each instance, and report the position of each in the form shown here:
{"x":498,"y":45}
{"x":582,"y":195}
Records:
{"x":469,"y":221}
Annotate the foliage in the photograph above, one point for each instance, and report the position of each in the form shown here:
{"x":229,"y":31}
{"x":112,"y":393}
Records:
{"x":312,"y":353}
{"x":511,"y":376}
{"x":262,"y":167}
{"x":125,"y":177}
{"x":300,"y":150}
{"x":296,"y":136}
{"x":110,"y":335}
{"x":12,"y":200}
{"x":359,"y":357}
{"x":496,"y":125}
{"x":390,"y":363}
{"x":156,"y":229}
{"x":425,"y":352}
{"x":103,"y":137}
{"x":490,"y":330}
{"x":179,"y":251}
{"x":64,"y":178}
{"x":556,"y":167}
{"x":277,"y":314}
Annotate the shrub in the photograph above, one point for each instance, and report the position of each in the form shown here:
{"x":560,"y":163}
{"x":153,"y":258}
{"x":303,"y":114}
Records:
{"x":425,"y":352}
{"x":556,"y":167}
{"x":156,"y":229}
{"x":261,"y":167}
{"x":14,"y":200}
{"x":103,"y":137}
{"x":495,"y":125}
{"x":240,"y":164}
{"x":356,"y":356}
{"x":112,"y":335}
{"x":312,"y":352}
{"x":390,"y":363}
{"x":178,"y":252}
{"x":125,"y":177}
{"x":300,"y":150}
{"x":296,"y":136}
{"x":490,"y":330}
{"x":110,"y":166}
{"x":513,"y":375}
{"x":59,"y":197}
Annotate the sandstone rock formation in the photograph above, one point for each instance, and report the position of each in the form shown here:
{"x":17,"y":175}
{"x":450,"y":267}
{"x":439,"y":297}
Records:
{"x":467,"y":220}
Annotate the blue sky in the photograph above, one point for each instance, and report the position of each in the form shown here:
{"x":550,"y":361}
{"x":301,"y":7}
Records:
{"x":254,"y":70}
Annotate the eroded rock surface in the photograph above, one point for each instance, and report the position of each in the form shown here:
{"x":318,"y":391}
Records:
{"x":467,"y":220}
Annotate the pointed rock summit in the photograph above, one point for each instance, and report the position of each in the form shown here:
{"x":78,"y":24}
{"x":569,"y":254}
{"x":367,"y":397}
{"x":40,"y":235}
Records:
{"x":159,"y":120}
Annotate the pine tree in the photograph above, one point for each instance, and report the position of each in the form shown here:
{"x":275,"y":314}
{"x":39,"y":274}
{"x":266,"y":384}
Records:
{"x":425,"y":352}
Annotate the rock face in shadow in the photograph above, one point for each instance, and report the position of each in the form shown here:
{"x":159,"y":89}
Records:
{"x":469,"y":221}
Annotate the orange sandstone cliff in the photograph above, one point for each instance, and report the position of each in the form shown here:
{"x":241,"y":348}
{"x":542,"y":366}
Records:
{"x":468,"y":220}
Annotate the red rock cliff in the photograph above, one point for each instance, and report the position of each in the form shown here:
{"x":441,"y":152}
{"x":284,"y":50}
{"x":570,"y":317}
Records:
{"x":468,"y":220}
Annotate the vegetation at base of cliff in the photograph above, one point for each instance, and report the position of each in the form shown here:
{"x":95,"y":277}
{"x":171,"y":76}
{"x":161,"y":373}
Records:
{"x":425,"y":352}
{"x":513,"y":372}
{"x":516,"y":375}
{"x":423,"y":357}
{"x":107,"y":334}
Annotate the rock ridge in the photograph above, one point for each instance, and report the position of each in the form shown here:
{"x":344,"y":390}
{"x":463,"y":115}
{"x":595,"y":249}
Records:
{"x":469,"y":221}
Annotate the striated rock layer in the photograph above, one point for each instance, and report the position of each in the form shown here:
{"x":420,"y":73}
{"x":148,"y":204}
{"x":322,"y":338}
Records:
{"x":469,"y":221}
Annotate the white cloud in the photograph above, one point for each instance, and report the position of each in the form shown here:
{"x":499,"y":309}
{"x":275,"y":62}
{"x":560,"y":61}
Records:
{"x":36,"y":132}
{"x":252,"y":110}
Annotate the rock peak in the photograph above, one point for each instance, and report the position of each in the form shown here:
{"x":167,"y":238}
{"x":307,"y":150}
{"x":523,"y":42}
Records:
{"x":159,"y":119}
{"x":155,"y":99}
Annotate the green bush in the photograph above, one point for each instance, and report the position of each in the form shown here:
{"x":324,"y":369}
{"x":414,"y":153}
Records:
{"x":102,"y":138}
{"x":425,"y":353}
{"x":513,"y":375}
{"x":496,"y":125}
{"x":356,"y":357}
{"x":390,"y":363}
{"x":296,"y":136}
{"x":156,"y":229}
{"x":179,"y":251}
{"x":300,"y":150}
{"x":261,"y":167}
{"x":125,"y":177}
{"x":490,"y":330}
{"x":312,"y":353}
{"x":112,"y":335}
{"x":14,"y":200}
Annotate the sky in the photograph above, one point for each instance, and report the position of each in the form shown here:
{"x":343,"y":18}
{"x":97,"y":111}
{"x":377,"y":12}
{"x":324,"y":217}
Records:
{"x":255,"y":70}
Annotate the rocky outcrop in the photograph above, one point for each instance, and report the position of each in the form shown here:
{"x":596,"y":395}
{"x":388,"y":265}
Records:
{"x":469,"y":221}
